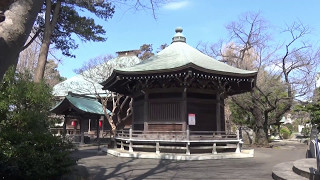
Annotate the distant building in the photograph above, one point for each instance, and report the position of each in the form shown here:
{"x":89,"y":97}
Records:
{"x":87,"y":83}
{"x":81,"y":111}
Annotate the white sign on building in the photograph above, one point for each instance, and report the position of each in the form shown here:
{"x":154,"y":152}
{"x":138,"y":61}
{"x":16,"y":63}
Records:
{"x":192,"y":119}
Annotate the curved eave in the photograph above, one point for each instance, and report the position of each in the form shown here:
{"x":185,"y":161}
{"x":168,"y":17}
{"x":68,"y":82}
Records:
{"x":117,"y":81}
{"x":189,"y":65}
{"x":65,"y":104}
{"x":111,"y":80}
{"x":117,"y":73}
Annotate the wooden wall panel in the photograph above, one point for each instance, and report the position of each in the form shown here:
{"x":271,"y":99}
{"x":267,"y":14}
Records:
{"x":164,"y":112}
{"x":205,"y":116}
{"x":165,"y":127}
{"x":138,"y":112}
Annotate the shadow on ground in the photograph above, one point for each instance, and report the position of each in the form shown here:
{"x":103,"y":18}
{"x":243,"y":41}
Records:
{"x":102,"y":166}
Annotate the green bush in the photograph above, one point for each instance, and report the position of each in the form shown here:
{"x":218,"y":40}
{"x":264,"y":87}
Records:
{"x":290,"y":127}
{"x":285,"y":132}
{"x":306,"y":131}
{"x":27,"y":149}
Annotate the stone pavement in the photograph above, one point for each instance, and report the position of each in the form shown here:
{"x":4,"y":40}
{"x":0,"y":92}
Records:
{"x":95,"y":165}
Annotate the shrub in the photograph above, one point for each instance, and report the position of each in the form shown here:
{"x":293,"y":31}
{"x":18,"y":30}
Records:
{"x":27,"y":149}
{"x":306,"y":131}
{"x":290,"y":127}
{"x":285,"y":132}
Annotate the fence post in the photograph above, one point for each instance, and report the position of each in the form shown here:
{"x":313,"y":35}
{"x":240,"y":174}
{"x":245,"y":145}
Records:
{"x":238,"y":150}
{"x":130,"y":147}
{"x":130,"y":141}
{"x":238,"y":134}
{"x":130,"y":133}
{"x":188,"y":148}
{"x":122,"y":148}
{"x":214,"y":148}
{"x":157,"y":148}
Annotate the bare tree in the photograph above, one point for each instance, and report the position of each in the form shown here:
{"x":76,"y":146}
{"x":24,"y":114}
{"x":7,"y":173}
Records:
{"x":285,"y":72}
{"x":28,"y":62}
{"x":119,"y":106}
{"x":28,"y":58}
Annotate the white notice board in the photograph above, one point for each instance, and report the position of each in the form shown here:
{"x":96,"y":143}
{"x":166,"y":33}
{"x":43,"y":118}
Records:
{"x":191,"y":119}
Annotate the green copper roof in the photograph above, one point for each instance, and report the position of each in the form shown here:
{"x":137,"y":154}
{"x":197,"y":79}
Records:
{"x":180,"y":55}
{"x":81,"y":104}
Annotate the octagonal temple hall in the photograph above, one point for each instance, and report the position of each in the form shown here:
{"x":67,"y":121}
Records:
{"x":180,"y":88}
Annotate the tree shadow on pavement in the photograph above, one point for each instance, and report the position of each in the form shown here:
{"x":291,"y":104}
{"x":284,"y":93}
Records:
{"x":130,"y":169}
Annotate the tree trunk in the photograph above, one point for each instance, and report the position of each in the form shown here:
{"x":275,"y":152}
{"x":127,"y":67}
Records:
{"x":42,"y":59}
{"x":278,"y":126}
{"x":49,"y":26}
{"x":113,"y":126}
{"x":261,"y":138}
{"x":261,"y":128}
{"x":15,"y":29}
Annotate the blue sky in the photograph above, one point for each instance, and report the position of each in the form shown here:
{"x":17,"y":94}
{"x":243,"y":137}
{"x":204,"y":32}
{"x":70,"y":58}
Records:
{"x":201,"y":20}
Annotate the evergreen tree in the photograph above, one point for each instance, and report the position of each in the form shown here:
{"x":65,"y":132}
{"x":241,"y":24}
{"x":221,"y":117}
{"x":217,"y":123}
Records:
{"x":27,"y":148}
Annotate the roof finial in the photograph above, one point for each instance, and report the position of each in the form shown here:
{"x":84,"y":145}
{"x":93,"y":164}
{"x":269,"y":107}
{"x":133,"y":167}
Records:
{"x":178,"y":37}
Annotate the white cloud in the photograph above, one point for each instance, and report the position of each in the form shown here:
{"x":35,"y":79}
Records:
{"x":176,"y":5}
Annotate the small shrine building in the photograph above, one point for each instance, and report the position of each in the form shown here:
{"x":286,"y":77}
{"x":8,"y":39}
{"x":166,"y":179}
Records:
{"x":82,"y":115}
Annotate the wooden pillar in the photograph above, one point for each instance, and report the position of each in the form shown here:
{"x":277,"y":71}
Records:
{"x":146,"y":111}
{"x":98,"y":129}
{"x":64,"y":126}
{"x":222,"y":114}
{"x":184,"y":108}
{"x":81,"y":131}
{"x":102,"y":124}
{"x":89,"y":125}
{"x":218,"y":117}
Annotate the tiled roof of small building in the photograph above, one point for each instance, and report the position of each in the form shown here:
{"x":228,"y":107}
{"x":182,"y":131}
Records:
{"x":81,"y":104}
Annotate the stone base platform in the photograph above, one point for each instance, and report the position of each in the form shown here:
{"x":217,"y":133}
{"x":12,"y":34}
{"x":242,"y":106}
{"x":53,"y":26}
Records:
{"x":176,"y":156}
{"x":300,"y":169}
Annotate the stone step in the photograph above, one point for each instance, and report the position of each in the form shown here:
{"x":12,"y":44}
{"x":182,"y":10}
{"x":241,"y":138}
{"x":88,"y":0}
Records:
{"x":284,"y":171}
{"x":306,"y":168}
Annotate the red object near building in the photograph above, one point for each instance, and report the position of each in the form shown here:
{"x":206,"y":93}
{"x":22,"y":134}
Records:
{"x":73,"y":123}
{"x":100,"y":123}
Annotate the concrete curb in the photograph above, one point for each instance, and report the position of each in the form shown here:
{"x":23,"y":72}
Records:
{"x":172,"y":156}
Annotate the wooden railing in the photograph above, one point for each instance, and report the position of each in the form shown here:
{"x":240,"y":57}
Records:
{"x":177,"y":140}
{"x":175,"y":135}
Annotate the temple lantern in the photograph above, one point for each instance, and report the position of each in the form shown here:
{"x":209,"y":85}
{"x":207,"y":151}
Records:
{"x":73,"y":123}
